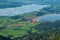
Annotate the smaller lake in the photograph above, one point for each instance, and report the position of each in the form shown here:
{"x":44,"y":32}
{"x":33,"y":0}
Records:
{"x":50,"y":17}
{"x":21,"y":10}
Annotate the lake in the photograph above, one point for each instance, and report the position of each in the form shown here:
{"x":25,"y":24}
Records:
{"x":49,"y":17}
{"x":21,"y":10}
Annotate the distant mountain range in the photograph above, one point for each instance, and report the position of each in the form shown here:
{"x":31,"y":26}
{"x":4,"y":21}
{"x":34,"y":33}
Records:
{"x":16,"y":3}
{"x":38,"y":1}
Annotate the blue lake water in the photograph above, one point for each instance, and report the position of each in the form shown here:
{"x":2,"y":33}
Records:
{"x":50,"y":17}
{"x":21,"y":10}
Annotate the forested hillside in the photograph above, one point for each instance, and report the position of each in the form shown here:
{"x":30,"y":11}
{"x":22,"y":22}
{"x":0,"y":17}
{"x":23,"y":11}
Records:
{"x":23,"y":27}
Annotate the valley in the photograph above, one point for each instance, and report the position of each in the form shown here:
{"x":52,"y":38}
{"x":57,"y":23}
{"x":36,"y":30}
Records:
{"x":24,"y":27}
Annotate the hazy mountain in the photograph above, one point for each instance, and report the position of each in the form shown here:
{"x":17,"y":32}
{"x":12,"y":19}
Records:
{"x":38,"y":1}
{"x":16,"y":3}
